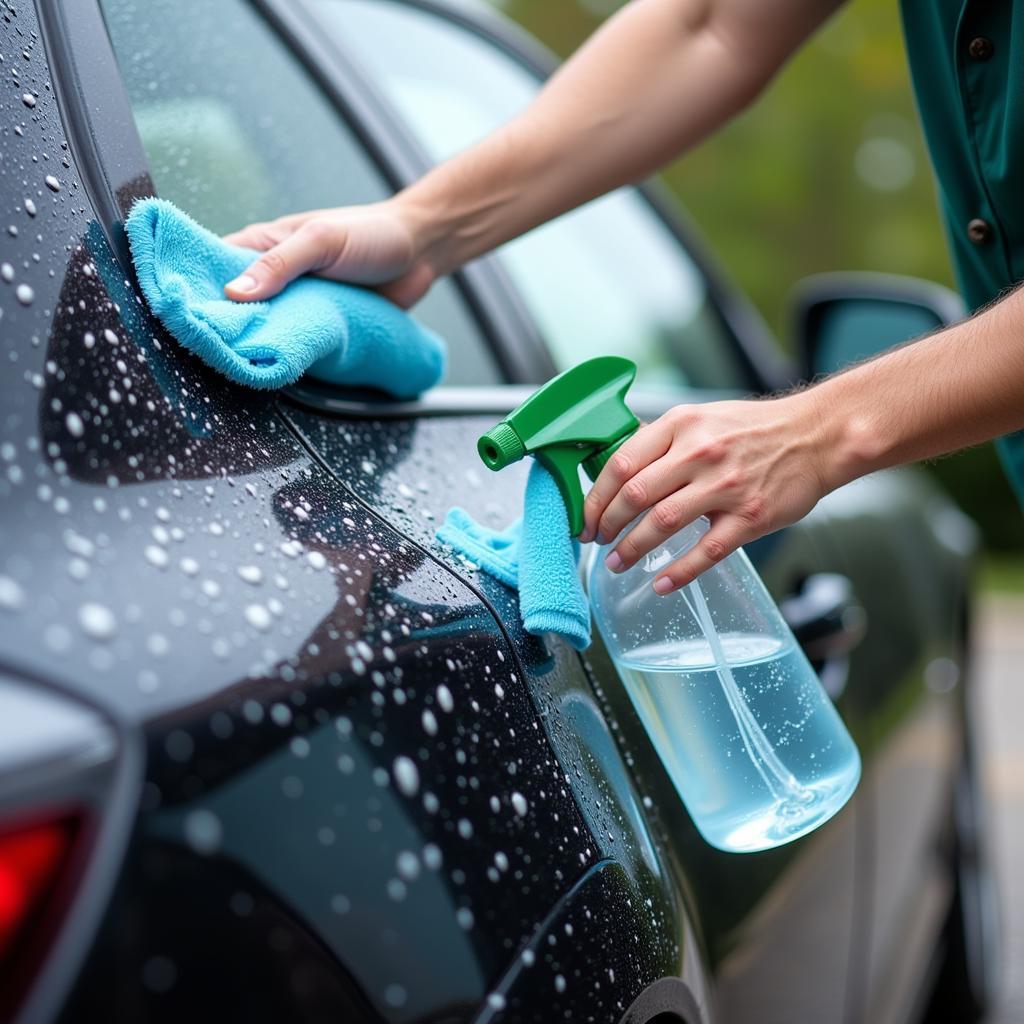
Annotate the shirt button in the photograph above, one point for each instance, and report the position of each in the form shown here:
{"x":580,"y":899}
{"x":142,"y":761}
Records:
{"x":980,"y":48}
{"x":979,"y":231}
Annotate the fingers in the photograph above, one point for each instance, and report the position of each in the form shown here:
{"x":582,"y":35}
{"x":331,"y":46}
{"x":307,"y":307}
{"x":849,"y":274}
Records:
{"x":727,"y":533}
{"x":311,"y":247}
{"x":647,"y":445}
{"x":663,"y":521}
{"x":254,"y":236}
{"x":642,"y":491}
{"x":264,"y":234}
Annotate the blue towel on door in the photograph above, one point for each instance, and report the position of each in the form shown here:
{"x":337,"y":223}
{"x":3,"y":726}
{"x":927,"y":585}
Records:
{"x":335,"y":332}
{"x":536,"y":554}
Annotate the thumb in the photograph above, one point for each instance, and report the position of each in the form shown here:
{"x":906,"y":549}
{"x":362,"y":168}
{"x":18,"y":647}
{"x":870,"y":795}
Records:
{"x":302,"y":251}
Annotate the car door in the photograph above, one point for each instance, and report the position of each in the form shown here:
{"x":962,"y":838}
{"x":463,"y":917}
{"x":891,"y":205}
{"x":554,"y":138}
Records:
{"x":614,"y":278}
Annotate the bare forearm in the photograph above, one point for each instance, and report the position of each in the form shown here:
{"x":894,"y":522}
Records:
{"x":948,"y":391}
{"x":655,"y":80}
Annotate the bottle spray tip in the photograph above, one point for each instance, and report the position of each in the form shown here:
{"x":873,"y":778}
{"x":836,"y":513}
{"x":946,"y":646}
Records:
{"x":500,"y":447}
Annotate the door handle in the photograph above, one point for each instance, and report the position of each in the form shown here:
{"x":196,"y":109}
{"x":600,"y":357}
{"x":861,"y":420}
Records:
{"x":827,"y":620}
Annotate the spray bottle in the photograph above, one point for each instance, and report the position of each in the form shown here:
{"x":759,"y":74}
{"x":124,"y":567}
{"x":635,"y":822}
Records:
{"x":737,"y":714}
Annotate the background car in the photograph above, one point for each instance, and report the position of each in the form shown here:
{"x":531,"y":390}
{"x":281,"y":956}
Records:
{"x":268,"y":750}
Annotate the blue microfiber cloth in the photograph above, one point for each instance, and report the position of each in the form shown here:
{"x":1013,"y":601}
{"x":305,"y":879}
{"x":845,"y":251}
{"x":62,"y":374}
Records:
{"x":337,"y":333}
{"x":535,"y":554}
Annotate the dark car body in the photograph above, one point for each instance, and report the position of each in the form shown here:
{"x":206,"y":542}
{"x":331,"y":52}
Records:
{"x":300,"y":761}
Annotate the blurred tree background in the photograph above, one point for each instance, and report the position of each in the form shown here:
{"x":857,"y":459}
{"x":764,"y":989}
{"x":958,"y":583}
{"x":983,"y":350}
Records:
{"x":826,"y":171}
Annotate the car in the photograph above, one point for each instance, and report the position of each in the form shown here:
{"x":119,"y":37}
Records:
{"x":269,"y":751}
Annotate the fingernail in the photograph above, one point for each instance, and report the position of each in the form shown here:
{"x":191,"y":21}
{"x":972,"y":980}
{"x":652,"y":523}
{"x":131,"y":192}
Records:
{"x":584,"y":537}
{"x":614,"y":562}
{"x":242,"y":283}
{"x":663,"y":585}
{"x":601,"y":538}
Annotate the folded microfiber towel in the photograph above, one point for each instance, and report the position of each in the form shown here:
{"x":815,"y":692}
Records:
{"x":536,"y":554}
{"x":335,"y":332}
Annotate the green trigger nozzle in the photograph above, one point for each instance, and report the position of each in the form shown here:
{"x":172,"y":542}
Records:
{"x":577,"y":419}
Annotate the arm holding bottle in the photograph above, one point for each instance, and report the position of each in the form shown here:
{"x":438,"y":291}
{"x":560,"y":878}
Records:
{"x":755,"y":466}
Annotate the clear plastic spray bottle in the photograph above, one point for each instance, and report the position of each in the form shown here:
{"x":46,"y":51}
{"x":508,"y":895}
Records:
{"x":754,"y":746}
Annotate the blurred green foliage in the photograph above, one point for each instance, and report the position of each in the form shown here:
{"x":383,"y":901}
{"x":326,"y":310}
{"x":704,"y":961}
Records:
{"x":826,"y":171}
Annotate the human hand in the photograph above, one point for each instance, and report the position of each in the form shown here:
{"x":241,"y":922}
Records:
{"x":751,"y":467}
{"x":373,"y":245}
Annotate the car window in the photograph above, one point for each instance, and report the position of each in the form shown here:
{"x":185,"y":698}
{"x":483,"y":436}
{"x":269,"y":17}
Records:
{"x":236,"y":131}
{"x":607,"y":278}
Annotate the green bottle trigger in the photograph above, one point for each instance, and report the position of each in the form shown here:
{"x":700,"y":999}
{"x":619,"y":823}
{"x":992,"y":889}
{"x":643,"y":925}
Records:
{"x":577,"y":419}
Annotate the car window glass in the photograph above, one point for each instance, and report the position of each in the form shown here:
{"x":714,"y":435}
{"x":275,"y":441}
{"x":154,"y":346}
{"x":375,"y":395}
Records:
{"x":607,"y":278}
{"x":236,"y":131}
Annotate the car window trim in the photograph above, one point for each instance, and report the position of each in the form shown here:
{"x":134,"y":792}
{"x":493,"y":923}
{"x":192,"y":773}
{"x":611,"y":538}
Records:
{"x":107,"y":150}
{"x":492,"y":399}
{"x":753,"y":342}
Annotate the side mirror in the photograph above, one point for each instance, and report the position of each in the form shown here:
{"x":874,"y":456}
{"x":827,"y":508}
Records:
{"x":842,"y":318}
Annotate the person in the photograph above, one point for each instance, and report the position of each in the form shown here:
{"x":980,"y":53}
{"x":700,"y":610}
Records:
{"x":653,"y":81}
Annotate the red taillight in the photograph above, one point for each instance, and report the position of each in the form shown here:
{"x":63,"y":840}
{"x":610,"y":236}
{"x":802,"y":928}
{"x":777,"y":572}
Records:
{"x":30,"y":861}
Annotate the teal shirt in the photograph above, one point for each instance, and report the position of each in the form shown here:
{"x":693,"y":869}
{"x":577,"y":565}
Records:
{"x":967,"y":63}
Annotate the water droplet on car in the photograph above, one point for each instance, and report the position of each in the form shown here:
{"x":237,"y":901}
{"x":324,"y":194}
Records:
{"x":28,"y":99}
{"x":158,"y":645}
{"x":444,"y":698}
{"x":464,"y":916}
{"x":251,"y":574}
{"x":407,"y":864}
{"x":258,"y":617}
{"x":76,"y":428}
{"x":12,"y":597}
{"x":407,"y":776}
{"x":519,"y":804}
{"x":7,"y":272}
{"x":203,"y":831}
{"x":157,"y":556}
{"x":52,"y":183}
{"x":429,"y":722}
{"x":97,"y":620}
{"x":30,"y":207}
{"x":25,"y":294}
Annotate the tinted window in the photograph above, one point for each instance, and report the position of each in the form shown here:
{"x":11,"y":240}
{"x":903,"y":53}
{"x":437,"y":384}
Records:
{"x":608,"y":278}
{"x":236,"y":131}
